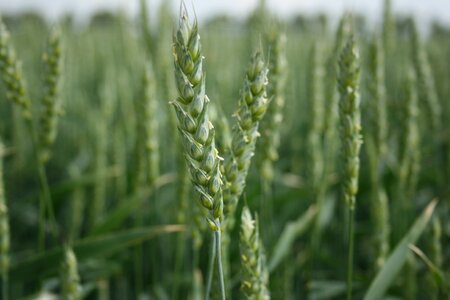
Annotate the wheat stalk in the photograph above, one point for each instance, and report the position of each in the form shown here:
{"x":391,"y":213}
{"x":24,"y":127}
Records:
{"x":197,"y":132}
{"x":350,"y":127}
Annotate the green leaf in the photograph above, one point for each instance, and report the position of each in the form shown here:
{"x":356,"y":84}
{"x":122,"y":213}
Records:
{"x":326,"y":289}
{"x":438,"y":274}
{"x":395,"y":261}
{"x":115,"y":218}
{"x":292,"y":231}
{"x":49,"y":261}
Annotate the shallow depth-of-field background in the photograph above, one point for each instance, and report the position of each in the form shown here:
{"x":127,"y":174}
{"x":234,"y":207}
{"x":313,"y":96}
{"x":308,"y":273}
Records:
{"x":137,"y":236}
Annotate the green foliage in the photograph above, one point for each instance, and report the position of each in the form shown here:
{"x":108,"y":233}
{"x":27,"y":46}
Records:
{"x":116,"y":179}
{"x":397,"y":258}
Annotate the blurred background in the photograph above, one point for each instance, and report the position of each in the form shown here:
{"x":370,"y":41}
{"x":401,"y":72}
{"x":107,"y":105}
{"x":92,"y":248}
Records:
{"x":425,"y":11}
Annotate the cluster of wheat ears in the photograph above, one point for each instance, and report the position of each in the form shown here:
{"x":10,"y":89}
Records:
{"x":331,"y":155}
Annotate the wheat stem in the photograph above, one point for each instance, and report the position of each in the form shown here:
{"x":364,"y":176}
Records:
{"x":351,"y":241}
{"x":219,"y":264}
{"x":212,"y":261}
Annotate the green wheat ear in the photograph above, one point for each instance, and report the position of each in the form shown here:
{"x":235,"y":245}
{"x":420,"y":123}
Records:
{"x":377,"y":147}
{"x":197,"y":132}
{"x":316,"y":111}
{"x":251,"y":109}
{"x":410,"y":152}
{"x":350,"y":128}
{"x":50,"y":102}
{"x":271,"y":126}
{"x":350,"y":120}
{"x":11,"y":71}
{"x":147,"y":143}
{"x":255,"y":276}
{"x":425,"y":79}
{"x":70,"y":280}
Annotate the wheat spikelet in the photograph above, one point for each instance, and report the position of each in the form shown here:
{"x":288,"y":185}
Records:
{"x":316,"y":113}
{"x":50,"y":102}
{"x":69,"y":277}
{"x":146,"y":167}
{"x":377,"y":102}
{"x":197,"y":132}
{"x":376,"y":148}
{"x":11,"y":71}
{"x":255,"y":276}
{"x":271,"y":126}
{"x":350,"y":123}
{"x":252,"y":107}
{"x":350,"y":127}
{"x":425,"y":80}
{"x":410,"y":153}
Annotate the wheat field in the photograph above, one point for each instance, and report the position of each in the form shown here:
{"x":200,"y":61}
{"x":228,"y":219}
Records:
{"x":262,"y":158}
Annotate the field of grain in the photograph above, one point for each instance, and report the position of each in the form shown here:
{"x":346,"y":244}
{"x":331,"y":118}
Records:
{"x":262,"y":158}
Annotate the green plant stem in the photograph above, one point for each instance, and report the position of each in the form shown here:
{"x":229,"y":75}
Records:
{"x":351,"y":221}
{"x":178,"y":264}
{"x":138,"y":255}
{"x":45,"y":203}
{"x":41,"y":234}
{"x":219,"y":264}
{"x":267,"y":208}
{"x":45,"y":198}
{"x":5,"y":285}
{"x":317,"y":230}
{"x":212,"y":258}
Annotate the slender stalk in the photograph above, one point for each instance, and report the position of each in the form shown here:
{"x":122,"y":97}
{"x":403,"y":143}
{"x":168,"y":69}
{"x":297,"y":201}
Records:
{"x":138,"y":271}
{"x":41,"y":233}
{"x":46,"y":201}
{"x":267,"y":207}
{"x":212,"y":259}
{"x":5,"y":285}
{"x":351,"y":239}
{"x":179,"y":258}
{"x":182,"y":194}
{"x":219,"y":265}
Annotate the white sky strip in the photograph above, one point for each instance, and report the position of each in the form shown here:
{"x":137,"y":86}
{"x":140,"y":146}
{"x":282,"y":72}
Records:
{"x":425,"y":11}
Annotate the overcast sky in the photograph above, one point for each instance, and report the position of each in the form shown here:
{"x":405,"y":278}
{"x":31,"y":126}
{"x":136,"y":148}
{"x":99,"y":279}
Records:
{"x":425,"y":10}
